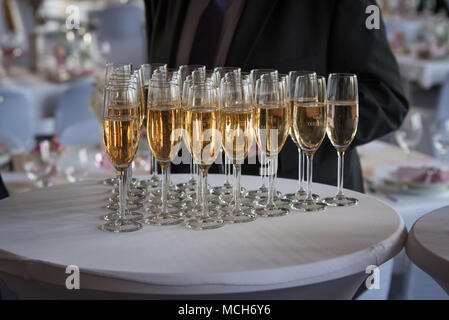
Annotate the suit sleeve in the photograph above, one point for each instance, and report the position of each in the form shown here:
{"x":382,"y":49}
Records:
{"x":356,"y":49}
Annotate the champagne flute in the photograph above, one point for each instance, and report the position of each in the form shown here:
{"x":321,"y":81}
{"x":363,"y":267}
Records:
{"x":301,"y":193}
{"x":342,"y":119}
{"x":123,"y":79}
{"x":121,"y":139}
{"x":271,"y":126}
{"x":164,"y":139}
{"x":219,"y":73}
{"x":410,"y":133}
{"x":203,"y":128}
{"x":146,"y":71}
{"x":309,"y":125}
{"x":236,"y":115}
{"x":440,"y":139}
{"x":184,"y":72}
{"x":255,"y":75}
{"x":115,"y":69}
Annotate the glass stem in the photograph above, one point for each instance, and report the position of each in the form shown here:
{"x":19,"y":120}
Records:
{"x":130,"y":178}
{"x":341,"y":165}
{"x":263,"y":169}
{"x":153,"y":166}
{"x":199,"y":189}
{"x":192,"y":173}
{"x":271,"y":182}
{"x":237,"y":176}
{"x":204,"y":197}
{"x":309,"y":176}
{"x":165,"y":182}
{"x":123,"y":182}
{"x":226,"y":172}
{"x":228,"y":169}
{"x":301,"y":169}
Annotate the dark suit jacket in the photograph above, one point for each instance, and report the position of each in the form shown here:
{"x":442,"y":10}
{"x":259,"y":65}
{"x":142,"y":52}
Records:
{"x":3,"y":191}
{"x":322,"y":35}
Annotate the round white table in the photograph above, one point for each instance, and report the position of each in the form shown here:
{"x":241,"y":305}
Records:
{"x":300,"y":256}
{"x":428,"y":245}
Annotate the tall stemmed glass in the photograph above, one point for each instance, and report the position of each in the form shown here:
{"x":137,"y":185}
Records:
{"x":219,"y":73}
{"x":164,"y":138}
{"x":301,"y":193}
{"x":271,"y":126}
{"x":146,"y":71}
{"x":121,"y":139}
{"x":262,"y":192}
{"x":123,"y":79}
{"x":203,"y":128}
{"x":115,"y":69}
{"x":343,"y":118}
{"x":309,"y":125}
{"x":236,"y":114}
{"x":184,"y":72}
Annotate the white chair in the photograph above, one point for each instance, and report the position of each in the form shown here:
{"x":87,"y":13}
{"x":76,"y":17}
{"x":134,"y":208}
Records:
{"x":16,"y":118}
{"x":75,"y":121}
{"x":123,"y":26}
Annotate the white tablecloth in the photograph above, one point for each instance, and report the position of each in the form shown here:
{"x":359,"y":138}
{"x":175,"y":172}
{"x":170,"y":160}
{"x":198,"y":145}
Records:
{"x":426,"y":73}
{"x":428,"y":245}
{"x":43,"y":231}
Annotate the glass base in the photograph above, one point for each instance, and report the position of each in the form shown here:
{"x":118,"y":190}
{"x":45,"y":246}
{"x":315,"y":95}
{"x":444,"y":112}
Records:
{"x":163,"y":220}
{"x":134,"y":192}
{"x":131,"y":199}
{"x":204,"y":223}
{"x":278,"y":200}
{"x":308,"y":206}
{"x":300,"y":196}
{"x":271,"y":212}
{"x":120,"y":226}
{"x":217,"y":191}
{"x":242,"y":215}
{"x":340,"y":201}
{"x":156,"y":210}
{"x":130,"y":206}
{"x":129,"y":215}
{"x":148,"y":184}
{"x":229,"y":197}
{"x":196,"y":211}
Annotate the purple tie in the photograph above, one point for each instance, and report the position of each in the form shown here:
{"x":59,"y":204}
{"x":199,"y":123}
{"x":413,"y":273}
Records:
{"x":205,"y":44}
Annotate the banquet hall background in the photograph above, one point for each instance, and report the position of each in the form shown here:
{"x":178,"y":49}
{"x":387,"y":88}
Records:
{"x":52,"y":59}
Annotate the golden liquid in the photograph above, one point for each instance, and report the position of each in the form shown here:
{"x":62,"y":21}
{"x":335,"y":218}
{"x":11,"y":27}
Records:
{"x":237,"y":133}
{"x":292,"y":132}
{"x":184,"y":126}
{"x":203,"y":131}
{"x":343,"y":119}
{"x":144,"y":103}
{"x":271,"y":128}
{"x":121,"y":136}
{"x":164,"y":132}
{"x":309,"y":124}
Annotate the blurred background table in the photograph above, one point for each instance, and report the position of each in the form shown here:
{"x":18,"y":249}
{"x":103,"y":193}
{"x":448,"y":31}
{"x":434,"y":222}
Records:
{"x":428,"y":245}
{"x":43,"y":231}
{"x":407,"y":281}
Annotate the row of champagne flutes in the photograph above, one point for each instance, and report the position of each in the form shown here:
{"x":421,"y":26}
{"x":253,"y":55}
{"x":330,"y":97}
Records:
{"x":224,"y":109}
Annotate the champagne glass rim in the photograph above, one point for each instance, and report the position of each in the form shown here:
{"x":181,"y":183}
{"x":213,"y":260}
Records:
{"x":342,"y":75}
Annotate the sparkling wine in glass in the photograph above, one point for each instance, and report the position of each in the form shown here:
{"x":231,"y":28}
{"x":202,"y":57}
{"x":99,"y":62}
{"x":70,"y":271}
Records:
{"x":164,"y":134}
{"x":203,"y":129}
{"x":343,"y":119}
{"x":121,"y":135}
